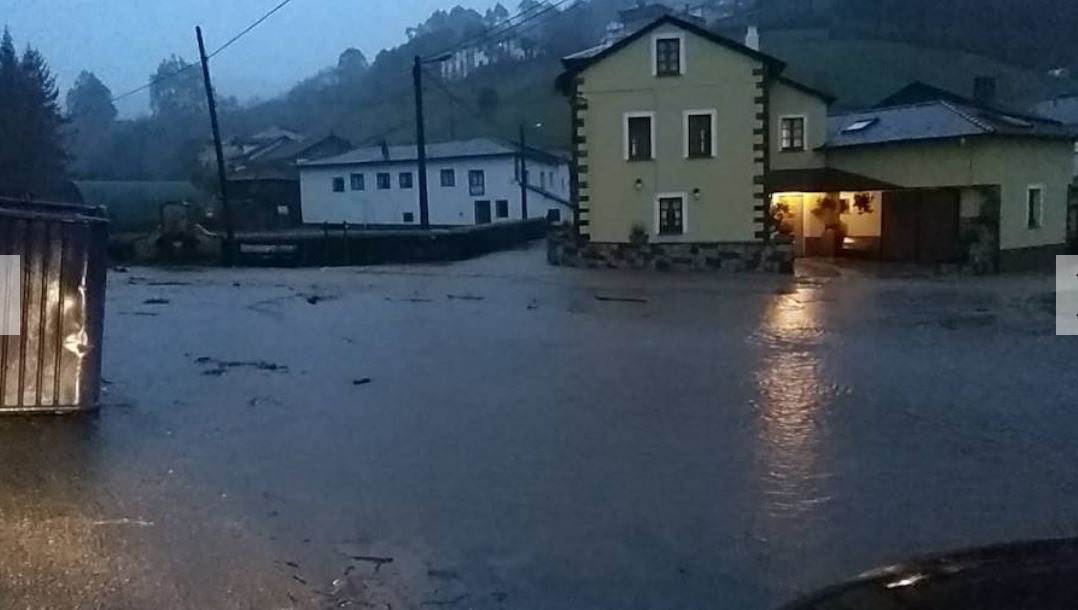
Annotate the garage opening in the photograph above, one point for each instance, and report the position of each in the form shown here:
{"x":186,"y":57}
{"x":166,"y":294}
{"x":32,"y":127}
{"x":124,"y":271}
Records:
{"x":921,"y":226}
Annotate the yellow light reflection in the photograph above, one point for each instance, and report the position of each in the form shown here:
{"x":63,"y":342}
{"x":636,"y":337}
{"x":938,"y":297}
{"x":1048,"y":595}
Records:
{"x":791,"y":391}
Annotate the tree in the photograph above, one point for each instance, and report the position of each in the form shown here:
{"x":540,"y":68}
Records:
{"x":90,"y":101}
{"x":91,"y":116}
{"x":488,"y":100}
{"x":176,"y":89}
{"x":32,"y":159}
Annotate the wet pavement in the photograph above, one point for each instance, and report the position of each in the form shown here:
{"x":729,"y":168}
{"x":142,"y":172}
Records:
{"x":501,"y":434}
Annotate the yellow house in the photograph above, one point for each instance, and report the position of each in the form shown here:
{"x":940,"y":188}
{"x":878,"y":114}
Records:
{"x":694,"y":151}
{"x":675,"y":129}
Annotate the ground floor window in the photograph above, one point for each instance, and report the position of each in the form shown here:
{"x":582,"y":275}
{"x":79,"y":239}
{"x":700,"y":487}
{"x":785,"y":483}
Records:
{"x":1035,"y":207}
{"x":502,"y":208}
{"x":409,"y":217}
{"x":671,"y":215}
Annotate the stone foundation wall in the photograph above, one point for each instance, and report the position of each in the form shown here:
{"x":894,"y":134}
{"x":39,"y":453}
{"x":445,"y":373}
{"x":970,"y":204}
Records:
{"x":567,"y":250}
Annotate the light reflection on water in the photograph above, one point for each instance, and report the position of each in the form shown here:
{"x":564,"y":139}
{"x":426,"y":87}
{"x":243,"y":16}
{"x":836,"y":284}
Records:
{"x":792,"y":391}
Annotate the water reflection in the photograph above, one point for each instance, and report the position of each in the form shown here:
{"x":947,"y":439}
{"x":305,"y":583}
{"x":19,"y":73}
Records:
{"x":791,"y":393}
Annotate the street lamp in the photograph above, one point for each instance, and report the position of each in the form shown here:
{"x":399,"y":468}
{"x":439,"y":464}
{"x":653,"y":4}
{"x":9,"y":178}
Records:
{"x":524,"y":170}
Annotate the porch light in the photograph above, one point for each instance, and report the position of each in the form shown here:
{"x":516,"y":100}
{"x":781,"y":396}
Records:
{"x":639,"y":184}
{"x":696,"y":194}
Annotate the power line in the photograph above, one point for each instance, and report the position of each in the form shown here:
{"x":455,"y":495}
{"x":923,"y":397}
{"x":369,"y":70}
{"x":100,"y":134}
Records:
{"x":220,"y":49}
{"x":506,"y":27}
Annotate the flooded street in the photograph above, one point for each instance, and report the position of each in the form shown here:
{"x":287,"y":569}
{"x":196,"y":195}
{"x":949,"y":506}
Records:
{"x":501,"y":434}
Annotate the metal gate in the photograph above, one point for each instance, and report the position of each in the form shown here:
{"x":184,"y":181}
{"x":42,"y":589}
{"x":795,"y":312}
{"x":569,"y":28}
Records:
{"x":54,"y":364}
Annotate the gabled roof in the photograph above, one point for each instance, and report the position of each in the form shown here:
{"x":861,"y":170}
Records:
{"x":578,"y":62}
{"x":293,"y":150}
{"x":478,"y":147}
{"x":936,"y":120}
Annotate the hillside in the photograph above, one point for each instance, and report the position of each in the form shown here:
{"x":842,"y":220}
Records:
{"x":862,"y":72}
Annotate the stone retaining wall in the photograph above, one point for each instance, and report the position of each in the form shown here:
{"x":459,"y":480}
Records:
{"x":564,"y":249}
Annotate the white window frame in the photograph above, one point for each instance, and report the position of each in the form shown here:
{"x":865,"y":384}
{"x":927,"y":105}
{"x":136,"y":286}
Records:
{"x":625,"y":131}
{"x":805,"y":133}
{"x":714,"y":114}
{"x":655,"y":38}
{"x":1041,"y":212}
{"x":684,"y":214}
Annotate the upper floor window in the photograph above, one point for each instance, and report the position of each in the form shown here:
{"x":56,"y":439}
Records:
{"x":792,"y":133}
{"x":358,"y":182}
{"x":669,"y":57}
{"x":1035,"y":207}
{"x":449,"y":177}
{"x":700,"y":134}
{"x":640,"y":136}
{"x":405,"y":180}
{"x":477,"y":182}
{"x":338,"y":184}
{"x":384,"y":181}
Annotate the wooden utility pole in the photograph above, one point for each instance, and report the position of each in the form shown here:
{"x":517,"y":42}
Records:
{"x":421,"y":143}
{"x":222,"y":177}
{"x":523,"y":175}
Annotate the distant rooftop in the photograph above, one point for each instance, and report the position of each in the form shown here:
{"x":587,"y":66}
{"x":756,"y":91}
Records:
{"x":478,"y":147}
{"x":935,"y":120}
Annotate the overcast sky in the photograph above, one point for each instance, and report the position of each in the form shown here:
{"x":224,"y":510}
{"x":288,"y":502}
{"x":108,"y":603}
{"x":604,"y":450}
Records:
{"x":122,"y":41}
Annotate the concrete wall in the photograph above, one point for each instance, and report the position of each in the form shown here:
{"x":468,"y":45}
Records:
{"x":1013,"y":164}
{"x":786,"y":100}
{"x":448,"y":205}
{"x":714,"y":78}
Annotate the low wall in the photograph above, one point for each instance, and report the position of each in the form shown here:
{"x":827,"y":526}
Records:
{"x":341,"y":245}
{"x":570,"y":251}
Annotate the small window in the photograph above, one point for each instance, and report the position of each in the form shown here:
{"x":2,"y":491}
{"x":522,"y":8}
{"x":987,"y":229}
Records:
{"x":671,"y":216}
{"x":384,"y":181}
{"x":700,"y":136}
{"x":405,"y":180}
{"x":409,"y":217}
{"x":793,"y":134}
{"x":449,"y":178}
{"x":638,"y":141}
{"x":501,"y":208}
{"x":860,"y":125}
{"x":553,"y":216}
{"x":1035,"y":207}
{"x":338,"y":184}
{"x":477,"y":182}
{"x":667,"y":56}
{"x":358,"y":182}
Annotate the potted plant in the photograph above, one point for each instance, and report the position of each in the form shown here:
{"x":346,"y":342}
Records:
{"x":638,"y":235}
{"x":829,"y":211}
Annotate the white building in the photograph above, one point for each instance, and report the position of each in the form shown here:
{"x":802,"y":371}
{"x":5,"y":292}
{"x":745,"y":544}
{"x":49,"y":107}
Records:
{"x":469,"y":59}
{"x":469,"y":182}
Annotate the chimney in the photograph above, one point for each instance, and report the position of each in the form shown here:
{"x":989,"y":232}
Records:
{"x":984,"y":89}
{"x":385,"y":150}
{"x":752,"y":38}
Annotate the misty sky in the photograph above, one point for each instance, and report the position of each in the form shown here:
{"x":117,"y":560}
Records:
{"x":122,"y":41}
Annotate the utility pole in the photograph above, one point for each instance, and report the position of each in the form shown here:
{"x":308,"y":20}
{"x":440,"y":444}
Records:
{"x":421,"y":143}
{"x":523,"y":175}
{"x":222,"y":177}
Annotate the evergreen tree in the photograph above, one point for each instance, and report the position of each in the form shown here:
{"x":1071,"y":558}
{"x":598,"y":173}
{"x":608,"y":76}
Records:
{"x":32,"y":158}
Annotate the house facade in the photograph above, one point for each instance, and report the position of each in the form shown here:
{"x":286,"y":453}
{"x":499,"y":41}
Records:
{"x":470,"y":182}
{"x":695,"y":151}
{"x":675,"y":131}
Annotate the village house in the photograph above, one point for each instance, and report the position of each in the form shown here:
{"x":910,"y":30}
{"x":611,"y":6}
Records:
{"x":471,"y":182}
{"x":692,"y":150}
{"x":264,"y":184}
